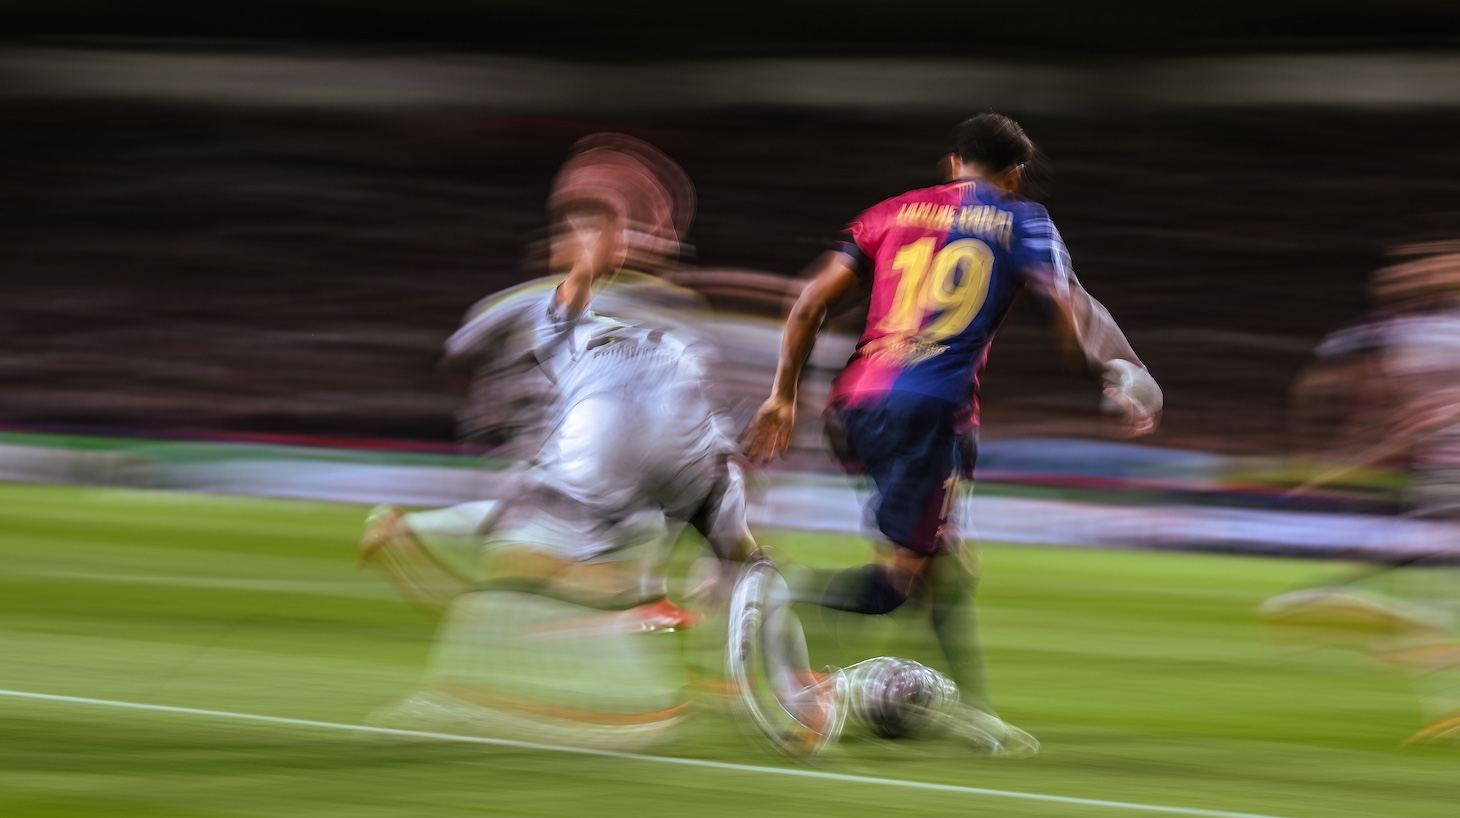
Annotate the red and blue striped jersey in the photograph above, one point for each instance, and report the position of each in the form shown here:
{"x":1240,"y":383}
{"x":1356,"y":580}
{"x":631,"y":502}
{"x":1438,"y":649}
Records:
{"x":946,"y":263}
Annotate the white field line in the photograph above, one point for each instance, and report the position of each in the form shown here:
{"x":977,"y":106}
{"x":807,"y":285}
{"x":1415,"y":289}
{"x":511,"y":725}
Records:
{"x":792,"y":772}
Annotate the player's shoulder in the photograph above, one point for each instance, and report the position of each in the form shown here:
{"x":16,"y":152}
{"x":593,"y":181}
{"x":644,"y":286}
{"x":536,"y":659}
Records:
{"x":1020,"y":206}
{"x":497,"y":319}
{"x":934,"y":194}
{"x":1030,"y":210}
{"x":1030,"y":218}
{"x":886,"y":213}
{"x":513,"y":298}
{"x":963,"y":193}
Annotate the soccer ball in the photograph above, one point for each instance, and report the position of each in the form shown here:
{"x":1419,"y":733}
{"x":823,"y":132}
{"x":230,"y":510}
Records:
{"x":899,"y":697}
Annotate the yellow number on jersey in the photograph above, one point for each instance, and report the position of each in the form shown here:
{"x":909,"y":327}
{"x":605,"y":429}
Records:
{"x":911,"y":262}
{"x":952,"y":283}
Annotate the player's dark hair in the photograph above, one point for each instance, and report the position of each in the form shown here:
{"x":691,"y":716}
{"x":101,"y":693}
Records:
{"x":992,"y":141}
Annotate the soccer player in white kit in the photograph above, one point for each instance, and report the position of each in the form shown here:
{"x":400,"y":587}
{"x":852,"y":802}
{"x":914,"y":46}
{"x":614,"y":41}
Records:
{"x":627,"y":431}
{"x":634,"y":449}
{"x":1407,"y":390}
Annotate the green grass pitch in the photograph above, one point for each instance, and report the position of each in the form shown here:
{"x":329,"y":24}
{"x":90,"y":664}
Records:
{"x":1143,"y":674}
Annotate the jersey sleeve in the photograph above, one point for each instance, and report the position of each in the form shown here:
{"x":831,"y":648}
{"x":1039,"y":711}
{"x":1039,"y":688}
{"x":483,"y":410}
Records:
{"x":1044,"y":266}
{"x":487,"y":333}
{"x":499,"y":327}
{"x":1038,"y":249}
{"x":861,"y":239}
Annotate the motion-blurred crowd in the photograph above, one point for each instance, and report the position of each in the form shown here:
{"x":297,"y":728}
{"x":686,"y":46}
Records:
{"x":257,"y":272}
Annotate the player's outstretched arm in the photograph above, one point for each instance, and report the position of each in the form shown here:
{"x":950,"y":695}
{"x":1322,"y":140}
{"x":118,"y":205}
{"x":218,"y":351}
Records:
{"x":833,"y":284}
{"x":1129,"y":389}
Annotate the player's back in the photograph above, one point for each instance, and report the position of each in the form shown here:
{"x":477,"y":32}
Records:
{"x":603,"y":355}
{"x":635,"y":425}
{"x":514,"y":391}
{"x":946,"y":264}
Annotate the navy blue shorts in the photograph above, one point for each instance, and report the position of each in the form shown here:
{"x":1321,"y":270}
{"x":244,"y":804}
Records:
{"x":908,"y":445}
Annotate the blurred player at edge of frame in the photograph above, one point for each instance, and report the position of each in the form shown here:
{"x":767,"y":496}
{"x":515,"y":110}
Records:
{"x":633,"y":442}
{"x":1399,"y":367}
{"x":943,"y":266}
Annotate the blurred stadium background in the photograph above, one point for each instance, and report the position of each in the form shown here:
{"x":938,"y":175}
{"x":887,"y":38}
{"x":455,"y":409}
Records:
{"x":235,"y":236}
{"x":234,"y":218}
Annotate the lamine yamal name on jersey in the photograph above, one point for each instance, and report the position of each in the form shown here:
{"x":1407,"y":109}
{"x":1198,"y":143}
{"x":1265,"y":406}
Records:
{"x":984,"y":221}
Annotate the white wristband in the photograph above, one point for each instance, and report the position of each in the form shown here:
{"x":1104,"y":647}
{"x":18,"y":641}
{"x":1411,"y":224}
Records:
{"x":1134,"y":383}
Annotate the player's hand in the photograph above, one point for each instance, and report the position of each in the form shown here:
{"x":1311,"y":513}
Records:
{"x":1132,"y":395}
{"x":1135,"y":420}
{"x":769,"y":432}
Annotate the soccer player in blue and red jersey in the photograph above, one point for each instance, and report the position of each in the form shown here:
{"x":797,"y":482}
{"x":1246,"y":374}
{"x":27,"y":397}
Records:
{"x":943,"y":265}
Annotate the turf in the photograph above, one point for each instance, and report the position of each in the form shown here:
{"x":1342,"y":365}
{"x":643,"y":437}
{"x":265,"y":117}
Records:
{"x":1143,"y":674}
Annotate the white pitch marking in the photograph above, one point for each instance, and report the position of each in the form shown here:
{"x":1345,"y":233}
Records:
{"x":685,"y":762}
